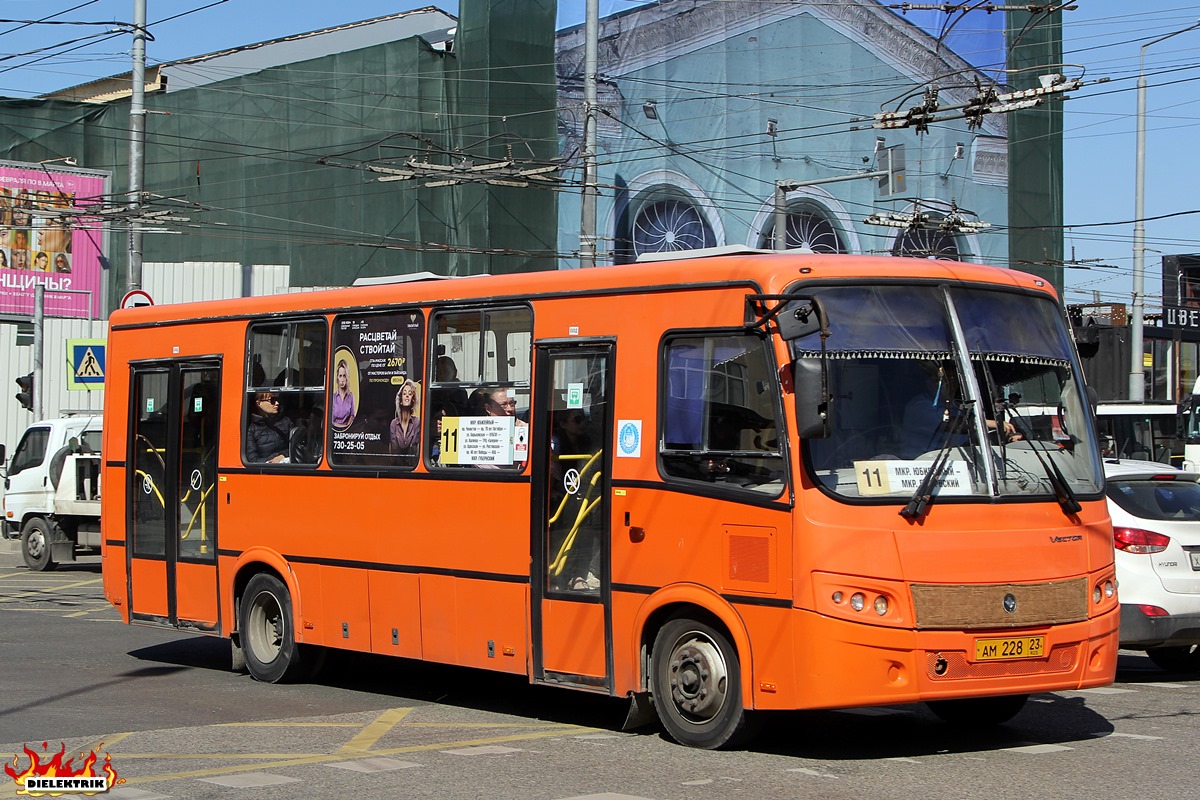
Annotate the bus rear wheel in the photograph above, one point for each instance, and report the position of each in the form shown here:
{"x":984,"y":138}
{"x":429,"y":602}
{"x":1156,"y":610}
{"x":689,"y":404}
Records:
{"x":981,"y":712}
{"x":268,"y":636}
{"x":696,"y":682}
{"x":36,"y":536}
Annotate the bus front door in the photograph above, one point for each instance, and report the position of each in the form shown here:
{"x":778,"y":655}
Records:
{"x":572,"y":602}
{"x":172,"y":500}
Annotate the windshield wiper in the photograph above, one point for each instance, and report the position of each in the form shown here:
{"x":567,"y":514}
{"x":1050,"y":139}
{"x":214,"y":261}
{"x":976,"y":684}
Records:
{"x":1058,"y":482}
{"x":923,"y":496}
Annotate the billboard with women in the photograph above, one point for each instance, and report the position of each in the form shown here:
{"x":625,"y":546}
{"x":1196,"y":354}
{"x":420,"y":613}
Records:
{"x":47,"y":238}
{"x":374,"y":412}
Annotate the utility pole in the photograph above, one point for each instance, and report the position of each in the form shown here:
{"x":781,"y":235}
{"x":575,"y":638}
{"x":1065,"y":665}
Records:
{"x":39,"y":326}
{"x":1137,"y":364}
{"x":587,"y":222}
{"x":137,"y":143}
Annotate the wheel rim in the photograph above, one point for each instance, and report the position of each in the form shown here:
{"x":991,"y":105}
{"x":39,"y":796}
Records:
{"x":36,"y":543}
{"x":699,"y":678}
{"x":265,"y":627}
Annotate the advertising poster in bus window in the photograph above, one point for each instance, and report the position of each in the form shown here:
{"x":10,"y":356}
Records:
{"x":46,"y":239}
{"x":375,"y":401}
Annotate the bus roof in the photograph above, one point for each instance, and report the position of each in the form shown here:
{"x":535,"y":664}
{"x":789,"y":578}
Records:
{"x":767,"y":272}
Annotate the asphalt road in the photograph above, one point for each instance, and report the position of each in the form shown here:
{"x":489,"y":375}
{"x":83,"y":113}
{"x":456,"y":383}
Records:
{"x":177,"y":723}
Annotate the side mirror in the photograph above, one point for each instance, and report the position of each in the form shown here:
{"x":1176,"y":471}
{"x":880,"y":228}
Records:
{"x":804,"y":319}
{"x":809,"y":379}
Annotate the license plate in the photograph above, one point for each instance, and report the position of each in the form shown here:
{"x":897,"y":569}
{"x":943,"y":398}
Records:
{"x":1195,"y":559}
{"x":1012,"y":648}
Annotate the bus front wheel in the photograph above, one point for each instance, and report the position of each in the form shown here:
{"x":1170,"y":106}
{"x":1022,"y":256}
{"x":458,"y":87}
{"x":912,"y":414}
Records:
{"x":267,"y":633}
{"x":696,"y":683}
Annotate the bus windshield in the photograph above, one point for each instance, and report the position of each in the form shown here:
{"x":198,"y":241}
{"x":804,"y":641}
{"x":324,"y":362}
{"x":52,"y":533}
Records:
{"x":925,"y":375}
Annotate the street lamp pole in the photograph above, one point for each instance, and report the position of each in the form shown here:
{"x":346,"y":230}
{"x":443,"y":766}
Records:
{"x":1137,"y":368}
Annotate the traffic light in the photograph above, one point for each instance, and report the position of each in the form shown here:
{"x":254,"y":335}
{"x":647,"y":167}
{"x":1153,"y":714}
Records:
{"x":25,"y":396}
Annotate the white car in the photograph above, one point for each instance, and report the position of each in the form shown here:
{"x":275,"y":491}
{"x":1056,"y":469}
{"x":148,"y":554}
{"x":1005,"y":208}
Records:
{"x":1155,"y":513}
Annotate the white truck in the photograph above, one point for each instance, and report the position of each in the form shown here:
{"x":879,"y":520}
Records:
{"x":52,"y":490}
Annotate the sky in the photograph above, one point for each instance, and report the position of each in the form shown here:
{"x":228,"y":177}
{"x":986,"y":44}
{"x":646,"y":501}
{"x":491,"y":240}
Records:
{"x":1102,"y":43}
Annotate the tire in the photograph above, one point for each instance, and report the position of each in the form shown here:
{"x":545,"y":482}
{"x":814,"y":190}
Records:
{"x":979,"y":712}
{"x":266,"y":627}
{"x":696,"y":684}
{"x":1185,"y":658}
{"x":36,"y":536}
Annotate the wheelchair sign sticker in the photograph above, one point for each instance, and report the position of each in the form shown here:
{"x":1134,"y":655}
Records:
{"x":629,"y":438}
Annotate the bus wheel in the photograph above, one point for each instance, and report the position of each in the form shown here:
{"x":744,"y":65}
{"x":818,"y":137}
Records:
{"x":696,"y":683}
{"x":267,"y":635}
{"x":35,"y":545}
{"x":979,"y":711}
{"x":1176,"y":659}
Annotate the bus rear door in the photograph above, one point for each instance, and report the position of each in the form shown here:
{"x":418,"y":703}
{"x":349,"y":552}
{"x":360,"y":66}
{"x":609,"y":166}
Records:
{"x":172,"y":500}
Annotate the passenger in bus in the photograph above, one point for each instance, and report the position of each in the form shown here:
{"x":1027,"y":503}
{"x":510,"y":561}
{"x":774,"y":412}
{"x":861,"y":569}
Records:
{"x":343,"y":398}
{"x":405,"y":429}
{"x":268,"y":433}
{"x":447,"y":372}
{"x":497,"y":403}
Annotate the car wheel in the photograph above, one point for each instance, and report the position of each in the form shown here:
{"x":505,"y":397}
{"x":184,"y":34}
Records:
{"x":1176,"y":659}
{"x":36,"y":536}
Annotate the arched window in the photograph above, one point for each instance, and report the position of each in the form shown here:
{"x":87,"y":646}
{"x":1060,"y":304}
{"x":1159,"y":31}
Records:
{"x":928,"y":242}
{"x":667,"y":225}
{"x":808,"y":227}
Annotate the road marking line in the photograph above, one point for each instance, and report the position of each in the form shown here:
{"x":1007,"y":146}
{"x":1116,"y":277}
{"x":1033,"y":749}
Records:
{"x":1038,"y":749}
{"x":288,"y":725}
{"x":222,"y":756}
{"x":1107,"y":734}
{"x":481,"y":724}
{"x":368,"y":736}
{"x":108,"y":741}
{"x":50,"y":589}
{"x":566,"y":730}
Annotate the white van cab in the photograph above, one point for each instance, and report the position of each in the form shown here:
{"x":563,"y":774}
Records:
{"x":50,"y":523}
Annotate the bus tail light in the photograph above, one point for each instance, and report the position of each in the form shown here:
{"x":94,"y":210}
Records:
{"x":1137,"y":541}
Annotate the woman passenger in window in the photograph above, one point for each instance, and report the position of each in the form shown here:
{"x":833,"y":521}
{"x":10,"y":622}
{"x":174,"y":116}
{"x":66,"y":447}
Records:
{"x":343,"y":398}
{"x":406,"y":427}
{"x":269,"y":432}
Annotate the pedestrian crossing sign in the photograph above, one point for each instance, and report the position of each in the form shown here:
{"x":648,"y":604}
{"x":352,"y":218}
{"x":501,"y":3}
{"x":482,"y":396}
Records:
{"x":85,"y":360}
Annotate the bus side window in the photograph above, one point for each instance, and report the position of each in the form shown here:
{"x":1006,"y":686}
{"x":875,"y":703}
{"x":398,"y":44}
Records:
{"x":481,"y":366}
{"x":286,"y":361}
{"x":720,"y":412}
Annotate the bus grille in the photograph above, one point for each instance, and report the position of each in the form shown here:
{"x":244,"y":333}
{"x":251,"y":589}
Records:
{"x":946,"y":607}
{"x":957,"y":667}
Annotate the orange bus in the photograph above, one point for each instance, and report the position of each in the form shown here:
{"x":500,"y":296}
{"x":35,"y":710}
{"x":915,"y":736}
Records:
{"x":716,"y":486}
